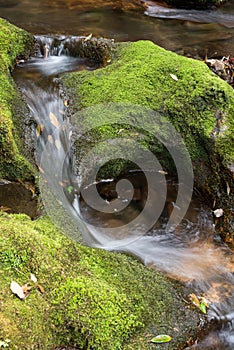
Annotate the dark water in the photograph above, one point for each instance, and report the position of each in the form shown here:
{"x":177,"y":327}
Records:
{"x":192,"y":253}
{"x":193,"y":33}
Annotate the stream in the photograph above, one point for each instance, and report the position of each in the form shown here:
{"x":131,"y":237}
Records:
{"x":192,"y":253}
{"x":191,"y":33}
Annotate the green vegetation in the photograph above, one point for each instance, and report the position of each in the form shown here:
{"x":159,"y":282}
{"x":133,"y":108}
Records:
{"x":14,"y":42}
{"x":198,"y":103}
{"x":93,"y":298}
{"x":144,"y":74}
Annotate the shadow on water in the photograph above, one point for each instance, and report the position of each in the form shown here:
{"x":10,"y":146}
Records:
{"x":192,"y":253}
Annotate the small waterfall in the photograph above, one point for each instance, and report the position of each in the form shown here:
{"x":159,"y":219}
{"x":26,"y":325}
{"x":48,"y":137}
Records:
{"x":190,"y":253}
{"x":200,"y":16}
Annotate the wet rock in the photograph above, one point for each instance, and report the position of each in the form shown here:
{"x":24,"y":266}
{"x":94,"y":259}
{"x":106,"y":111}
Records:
{"x":98,"y":50}
{"x":14,"y":43}
{"x":18,"y":198}
{"x":199,"y":105}
{"x":92,"y":298}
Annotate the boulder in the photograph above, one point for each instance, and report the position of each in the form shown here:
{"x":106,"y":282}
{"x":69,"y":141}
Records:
{"x":184,"y":91}
{"x":15,"y":44}
{"x":84,"y":297}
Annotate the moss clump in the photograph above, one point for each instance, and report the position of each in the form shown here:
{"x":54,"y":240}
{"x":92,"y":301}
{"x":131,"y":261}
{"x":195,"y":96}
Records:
{"x":14,"y":42}
{"x":93,"y":299}
{"x":141,"y":75}
{"x":197,"y":102}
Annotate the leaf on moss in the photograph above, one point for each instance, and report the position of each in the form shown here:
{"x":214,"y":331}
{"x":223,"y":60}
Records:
{"x":218,"y":212}
{"x":41,"y":289}
{"x":17,"y":290}
{"x":174,"y":77}
{"x":33,"y":278}
{"x":161,"y":338}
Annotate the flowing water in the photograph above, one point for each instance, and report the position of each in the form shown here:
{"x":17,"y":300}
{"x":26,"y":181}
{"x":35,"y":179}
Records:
{"x":193,"y":33}
{"x":192,"y":253}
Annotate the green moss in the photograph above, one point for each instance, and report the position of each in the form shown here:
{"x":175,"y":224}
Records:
{"x":14,"y":42}
{"x":93,"y":298}
{"x":141,"y":75}
{"x":199,"y":104}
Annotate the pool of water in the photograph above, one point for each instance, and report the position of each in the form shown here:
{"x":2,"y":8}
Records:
{"x":183,"y":31}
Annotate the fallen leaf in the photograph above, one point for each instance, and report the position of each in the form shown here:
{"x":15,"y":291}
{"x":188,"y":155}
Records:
{"x":58,"y":144}
{"x":161,"y":338}
{"x":70,"y":189}
{"x":205,"y":301}
{"x":41,"y":289}
{"x":218,"y":212}
{"x":39,"y":129}
{"x":66,"y":103}
{"x":33,"y":278}
{"x":4,"y":208}
{"x":88,"y":37}
{"x":228,"y":188}
{"x":50,"y":139}
{"x":41,"y":170}
{"x":202,"y":307}
{"x":162,"y":172}
{"x":173,"y":76}
{"x":17,"y":290}
{"x":54,"y":120}
{"x":194,"y":300}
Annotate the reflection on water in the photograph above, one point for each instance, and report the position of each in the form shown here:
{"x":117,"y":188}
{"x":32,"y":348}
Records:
{"x":184,"y":36}
{"x":191,"y":253}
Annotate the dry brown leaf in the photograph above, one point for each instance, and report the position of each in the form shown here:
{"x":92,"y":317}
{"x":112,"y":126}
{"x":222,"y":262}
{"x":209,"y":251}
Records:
{"x":66,"y":103}
{"x":3,"y":208}
{"x":194,"y":299}
{"x":39,"y":129}
{"x":41,"y":289}
{"x":54,"y":120}
{"x":41,"y":170}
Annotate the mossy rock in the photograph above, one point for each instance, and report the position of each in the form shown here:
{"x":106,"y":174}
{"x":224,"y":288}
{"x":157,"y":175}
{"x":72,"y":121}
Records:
{"x":14,"y":43}
{"x":184,"y":91}
{"x":93,"y":299}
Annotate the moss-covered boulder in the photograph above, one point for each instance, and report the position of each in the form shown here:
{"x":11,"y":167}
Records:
{"x":14,"y":43}
{"x":197,"y":102}
{"x":194,"y":4}
{"x":92,"y":299}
